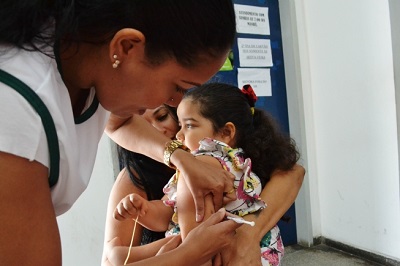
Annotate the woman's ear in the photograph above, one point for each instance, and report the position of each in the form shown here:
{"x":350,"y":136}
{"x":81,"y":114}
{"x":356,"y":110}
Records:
{"x":125,"y":43}
{"x":228,"y":134}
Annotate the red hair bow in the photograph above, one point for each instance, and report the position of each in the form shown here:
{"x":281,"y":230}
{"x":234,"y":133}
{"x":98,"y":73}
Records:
{"x":251,"y":97}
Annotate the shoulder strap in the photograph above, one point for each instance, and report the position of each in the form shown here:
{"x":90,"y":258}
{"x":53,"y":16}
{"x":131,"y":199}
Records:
{"x":47,"y":120}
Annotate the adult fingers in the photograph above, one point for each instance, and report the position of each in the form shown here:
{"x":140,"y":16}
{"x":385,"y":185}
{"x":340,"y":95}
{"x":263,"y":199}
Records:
{"x":229,"y":196}
{"x":221,"y":224}
{"x":223,"y":188}
{"x":218,"y":194}
{"x":198,"y":199}
{"x":217,"y":261}
{"x":216,"y":228}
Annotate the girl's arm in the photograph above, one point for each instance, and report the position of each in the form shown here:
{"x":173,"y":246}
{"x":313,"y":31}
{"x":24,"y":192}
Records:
{"x":279,"y":194}
{"x":185,"y":203}
{"x":153,"y":215}
{"x":136,"y":134}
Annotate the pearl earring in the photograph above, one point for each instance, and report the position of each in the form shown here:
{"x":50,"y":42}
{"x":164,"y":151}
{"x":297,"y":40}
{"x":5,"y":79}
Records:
{"x":116,"y":62}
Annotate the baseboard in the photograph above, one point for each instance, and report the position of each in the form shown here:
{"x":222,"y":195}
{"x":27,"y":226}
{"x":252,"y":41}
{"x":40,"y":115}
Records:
{"x":357,"y":252}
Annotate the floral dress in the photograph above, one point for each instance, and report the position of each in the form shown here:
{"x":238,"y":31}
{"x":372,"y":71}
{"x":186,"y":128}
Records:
{"x":248,"y":188}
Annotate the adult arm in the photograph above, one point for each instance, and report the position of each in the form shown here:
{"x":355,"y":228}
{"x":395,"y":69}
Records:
{"x":197,"y":247}
{"x":279,"y":194}
{"x":116,"y":253}
{"x":139,"y":136}
{"x":122,"y":229}
{"x":28,"y":227}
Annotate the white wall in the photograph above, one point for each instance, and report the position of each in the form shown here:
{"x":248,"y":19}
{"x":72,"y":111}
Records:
{"x":82,"y":227}
{"x":348,"y":131}
{"x":394,"y":6}
{"x":341,"y":94}
{"x":301,"y":120}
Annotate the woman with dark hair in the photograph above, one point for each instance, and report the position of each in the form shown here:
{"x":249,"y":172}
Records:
{"x":68,"y":69}
{"x":141,"y":175}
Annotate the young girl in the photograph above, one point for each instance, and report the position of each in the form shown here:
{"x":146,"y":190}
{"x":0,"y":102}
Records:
{"x":221,"y":126}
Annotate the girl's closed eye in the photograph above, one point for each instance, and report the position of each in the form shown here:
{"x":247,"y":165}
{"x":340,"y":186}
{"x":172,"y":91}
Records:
{"x":162,"y":117}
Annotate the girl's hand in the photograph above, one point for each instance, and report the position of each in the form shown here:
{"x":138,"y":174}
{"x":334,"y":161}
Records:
{"x":130,"y":207}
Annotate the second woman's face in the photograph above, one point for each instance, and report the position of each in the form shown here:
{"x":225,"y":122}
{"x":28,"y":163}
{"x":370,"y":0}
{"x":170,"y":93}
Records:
{"x":162,"y":120}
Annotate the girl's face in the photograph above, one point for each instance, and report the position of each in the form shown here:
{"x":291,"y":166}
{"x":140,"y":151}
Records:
{"x":162,"y":120}
{"x":194,"y":127}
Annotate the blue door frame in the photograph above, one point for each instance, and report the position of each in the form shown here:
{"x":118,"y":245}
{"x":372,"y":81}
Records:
{"x":277,"y":103}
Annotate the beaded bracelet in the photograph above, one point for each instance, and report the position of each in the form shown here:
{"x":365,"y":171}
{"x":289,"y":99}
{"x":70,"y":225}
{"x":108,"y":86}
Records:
{"x":170,"y":147}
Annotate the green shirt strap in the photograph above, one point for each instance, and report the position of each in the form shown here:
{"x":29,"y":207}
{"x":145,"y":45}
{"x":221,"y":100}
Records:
{"x":47,"y":120}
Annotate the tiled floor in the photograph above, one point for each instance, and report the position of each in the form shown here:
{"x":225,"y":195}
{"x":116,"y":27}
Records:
{"x":321,"y":255}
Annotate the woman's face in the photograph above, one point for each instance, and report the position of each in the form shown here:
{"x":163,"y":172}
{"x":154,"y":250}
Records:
{"x":162,"y":120}
{"x":136,"y":85}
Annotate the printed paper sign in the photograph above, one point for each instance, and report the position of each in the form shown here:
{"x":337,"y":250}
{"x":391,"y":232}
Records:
{"x":255,"y":52}
{"x":252,"y":19}
{"x":258,"y":78}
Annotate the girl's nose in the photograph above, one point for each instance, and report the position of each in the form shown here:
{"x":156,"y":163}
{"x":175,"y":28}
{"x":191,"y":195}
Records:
{"x":179,"y":136}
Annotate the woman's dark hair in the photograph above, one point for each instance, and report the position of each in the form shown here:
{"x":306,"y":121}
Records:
{"x":148,"y":175}
{"x":181,"y":29}
{"x":258,"y":135}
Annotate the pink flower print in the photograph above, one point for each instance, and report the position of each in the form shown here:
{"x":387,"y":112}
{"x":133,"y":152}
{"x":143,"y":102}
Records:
{"x":208,"y":144}
{"x":247,"y":167}
{"x":279,"y":245}
{"x":272,"y":256}
{"x":170,"y":203}
{"x":224,"y":165}
{"x":240,"y":158}
{"x":241,"y":193}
